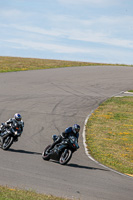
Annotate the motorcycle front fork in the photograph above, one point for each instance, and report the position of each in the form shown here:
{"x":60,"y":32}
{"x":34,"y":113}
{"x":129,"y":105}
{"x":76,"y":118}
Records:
{"x":64,"y":154}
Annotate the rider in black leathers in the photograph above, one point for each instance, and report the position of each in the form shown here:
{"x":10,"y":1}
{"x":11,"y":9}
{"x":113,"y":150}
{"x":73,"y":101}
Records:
{"x":11,"y":124}
{"x":70,"y":131}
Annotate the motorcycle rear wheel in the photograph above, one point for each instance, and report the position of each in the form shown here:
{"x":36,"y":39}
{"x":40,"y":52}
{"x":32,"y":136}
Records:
{"x":7,"y":142}
{"x":64,"y":159}
{"x":45,"y":155}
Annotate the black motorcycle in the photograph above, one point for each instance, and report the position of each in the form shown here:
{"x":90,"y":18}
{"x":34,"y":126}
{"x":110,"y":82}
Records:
{"x":63,"y":151}
{"x":8,"y":135}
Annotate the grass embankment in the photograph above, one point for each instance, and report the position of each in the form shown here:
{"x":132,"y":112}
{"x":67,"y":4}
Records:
{"x":109,"y":134}
{"x":16,"y":194}
{"x":10,"y":64}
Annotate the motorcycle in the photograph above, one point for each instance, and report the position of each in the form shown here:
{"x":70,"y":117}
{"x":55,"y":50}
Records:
{"x":61,"y":152}
{"x":8,"y":135}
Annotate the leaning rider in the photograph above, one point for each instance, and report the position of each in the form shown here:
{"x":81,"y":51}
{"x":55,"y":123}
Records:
{"x":13,"y":123}
{"x":70,"y":131}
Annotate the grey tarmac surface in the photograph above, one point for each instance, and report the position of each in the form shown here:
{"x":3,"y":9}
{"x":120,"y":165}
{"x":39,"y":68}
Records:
{"x":49,"y":101}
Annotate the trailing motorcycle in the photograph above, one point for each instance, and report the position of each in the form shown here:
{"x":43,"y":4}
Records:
{"x":8,"y":135}
{"x":61,"y":152}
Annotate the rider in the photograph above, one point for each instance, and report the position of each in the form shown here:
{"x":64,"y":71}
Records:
{"x":13,"y":123}
{"x":70,"y":131}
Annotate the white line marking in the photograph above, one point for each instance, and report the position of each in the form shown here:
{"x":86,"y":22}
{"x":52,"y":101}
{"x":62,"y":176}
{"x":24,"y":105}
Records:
{"x":128,"y":92}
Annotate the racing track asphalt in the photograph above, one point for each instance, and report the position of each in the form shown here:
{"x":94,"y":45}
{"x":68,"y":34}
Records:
{"x":49,"y":101}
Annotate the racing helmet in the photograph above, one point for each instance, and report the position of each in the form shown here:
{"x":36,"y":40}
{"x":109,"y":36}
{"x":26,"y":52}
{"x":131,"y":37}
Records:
{"x":18,"y":117}
{"x":76,"y":128}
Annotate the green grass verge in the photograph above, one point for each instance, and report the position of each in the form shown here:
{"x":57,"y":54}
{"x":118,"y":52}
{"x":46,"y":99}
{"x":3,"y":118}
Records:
{"x":10,"y":64}
{"x":16,"y":194}
{"x":109,"y":134}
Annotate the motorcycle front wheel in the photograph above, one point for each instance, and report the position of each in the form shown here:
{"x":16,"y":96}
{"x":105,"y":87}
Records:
{"x":65,"y":156}
{"x":45,"y":154}
{"x":7,"y":142}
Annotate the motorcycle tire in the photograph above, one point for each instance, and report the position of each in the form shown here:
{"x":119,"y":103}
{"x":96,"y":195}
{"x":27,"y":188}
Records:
{"x":45,"y":155}
{"x":64,"y":159}
{"x":8,"y":141}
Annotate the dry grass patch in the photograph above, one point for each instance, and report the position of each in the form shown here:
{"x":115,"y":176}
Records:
{"x":16,"y":194}
{"x":19,"y":64}
{"x":109,"y":134}
{"x":9,"y":64}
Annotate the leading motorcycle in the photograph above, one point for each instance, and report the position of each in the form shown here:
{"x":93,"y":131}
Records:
{"x":8,"y":135}
{"x":61,"y":152}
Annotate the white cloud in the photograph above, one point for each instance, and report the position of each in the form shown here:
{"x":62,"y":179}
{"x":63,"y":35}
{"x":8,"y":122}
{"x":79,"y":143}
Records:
{"x":10,"y":13}
{"x":16,"y":15}
{"x":25,"y":44}
{"x":35,"y":29}
{"x":88,"y":2}
{"x":79,"y":35}
{"x":109,"y":21}
{"x":97,"y":37}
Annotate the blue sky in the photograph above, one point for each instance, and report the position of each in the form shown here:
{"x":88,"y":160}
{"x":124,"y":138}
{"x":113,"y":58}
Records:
{"x":79,"y":30}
